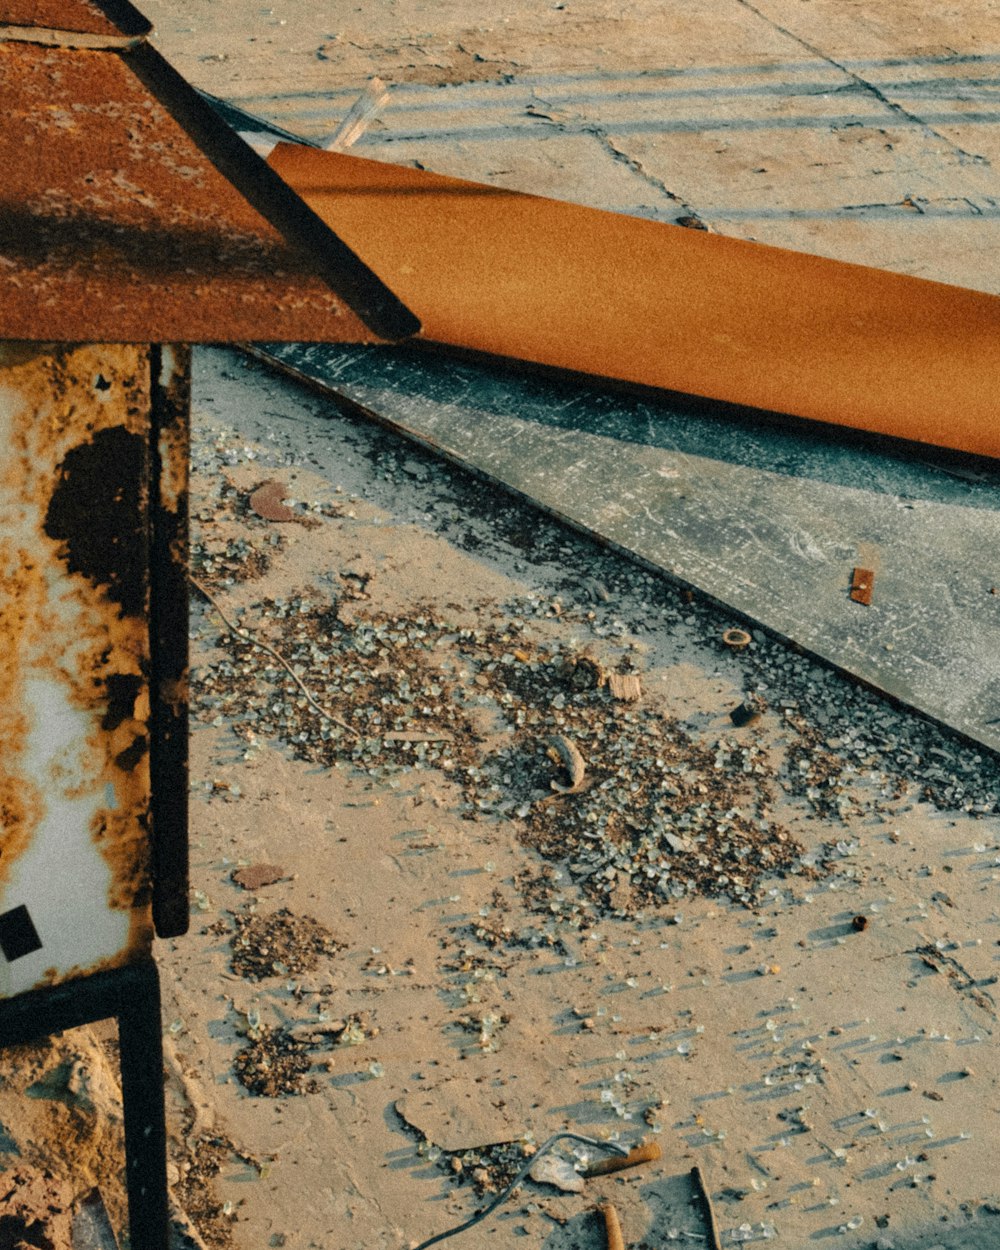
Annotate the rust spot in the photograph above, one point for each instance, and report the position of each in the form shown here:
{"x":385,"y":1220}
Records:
{"x":133,"y":753}
{"x":124,"y":224}
{"x":862,"y":582}
{"x":75,"y":15}
{"x":20,"y":810}
{"x":73,"y":574}
{"x":97,"y":512}
{"x":123,"y":690}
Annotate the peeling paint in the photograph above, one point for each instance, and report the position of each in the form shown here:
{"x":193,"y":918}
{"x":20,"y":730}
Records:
{"x":74,"y":701}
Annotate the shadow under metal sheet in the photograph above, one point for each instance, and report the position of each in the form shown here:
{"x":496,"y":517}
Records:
{"x":767,"y":520}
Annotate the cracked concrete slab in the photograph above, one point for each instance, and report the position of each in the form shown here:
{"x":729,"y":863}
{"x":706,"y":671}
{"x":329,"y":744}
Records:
{"x":863,"y":136}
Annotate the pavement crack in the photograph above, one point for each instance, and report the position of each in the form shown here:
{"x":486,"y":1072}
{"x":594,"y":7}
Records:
{"x":957,"y":974}
{"x":904,"y":114}
{"x":637,"y":167}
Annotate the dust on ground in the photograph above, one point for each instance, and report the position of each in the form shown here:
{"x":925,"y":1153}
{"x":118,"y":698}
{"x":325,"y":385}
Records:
{"x":495,"y":836}
{"x":559,"y":900}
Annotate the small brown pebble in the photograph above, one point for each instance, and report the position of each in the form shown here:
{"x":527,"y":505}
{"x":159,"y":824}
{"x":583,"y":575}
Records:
{"x":933,"y":1095}
{"x":258,"y":875}
{"x":267,"y":499}
{"x":859,"y":923}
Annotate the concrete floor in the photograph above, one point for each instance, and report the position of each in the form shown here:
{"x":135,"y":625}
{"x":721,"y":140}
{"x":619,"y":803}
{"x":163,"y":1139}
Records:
{"x":863,"y":132}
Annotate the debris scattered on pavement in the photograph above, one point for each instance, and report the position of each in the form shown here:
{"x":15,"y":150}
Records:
{"x":565,"y":752}
{"x":279,"y":944}
{"x":625,"y":686}
{"x":614,"y":1239}
{"x":553,"y":1170}
{"x":645,"y":1152}
{"x":701,"y":1189}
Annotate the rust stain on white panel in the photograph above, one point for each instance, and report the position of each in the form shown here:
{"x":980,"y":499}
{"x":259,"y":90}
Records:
{"x":74,"y":657}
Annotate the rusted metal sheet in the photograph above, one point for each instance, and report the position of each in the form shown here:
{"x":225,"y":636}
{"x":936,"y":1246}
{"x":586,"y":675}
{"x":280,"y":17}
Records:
{"x":75,"y":463}
{"x":130,"y":213}
{"x":113,"y":19}
{"x":518,"y":276}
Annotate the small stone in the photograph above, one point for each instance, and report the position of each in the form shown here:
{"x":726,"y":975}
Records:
{"x":258,"y":875}
{"x":551,"y":1170}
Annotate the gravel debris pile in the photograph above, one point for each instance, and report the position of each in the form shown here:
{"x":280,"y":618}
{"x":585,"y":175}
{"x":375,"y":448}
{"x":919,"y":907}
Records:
{"x":658,"y":814}
{"x":278,"y":945}
{"x":639,"y":808}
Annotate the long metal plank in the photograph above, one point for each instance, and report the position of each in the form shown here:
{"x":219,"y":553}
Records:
{"x":600,"y":293}
{"x":771,"y":522}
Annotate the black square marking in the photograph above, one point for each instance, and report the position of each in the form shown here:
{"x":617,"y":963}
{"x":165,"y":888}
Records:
{"x":18,"y":935}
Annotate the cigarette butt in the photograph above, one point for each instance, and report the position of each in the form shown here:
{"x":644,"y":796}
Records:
{"x":612,"y":1227}
{"x":645,"y":1152}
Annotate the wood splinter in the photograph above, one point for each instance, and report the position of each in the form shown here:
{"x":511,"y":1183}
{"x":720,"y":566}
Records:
{"x":612,"y":1227}
{"x":701,"y":1189}
{"x":645,"y":1152}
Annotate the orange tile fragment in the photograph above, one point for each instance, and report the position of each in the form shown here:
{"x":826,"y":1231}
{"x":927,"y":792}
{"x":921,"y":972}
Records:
{"x":862,"y":584}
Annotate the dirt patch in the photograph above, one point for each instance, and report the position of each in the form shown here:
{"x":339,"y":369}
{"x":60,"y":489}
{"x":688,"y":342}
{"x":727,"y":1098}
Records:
{"x":35,"y":1210}
{"x":429,"y":63}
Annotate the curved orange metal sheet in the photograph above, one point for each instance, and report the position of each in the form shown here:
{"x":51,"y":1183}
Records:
{"x":577,"y":288}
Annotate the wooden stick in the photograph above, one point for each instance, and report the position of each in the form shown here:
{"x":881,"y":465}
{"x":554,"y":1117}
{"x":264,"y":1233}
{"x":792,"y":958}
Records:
{"x":612,"y":1227}
{"x":701,"y":1188}
{"x":645,"y":1152}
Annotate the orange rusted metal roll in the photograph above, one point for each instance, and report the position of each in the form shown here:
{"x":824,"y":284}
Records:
{"x":639,"y":301}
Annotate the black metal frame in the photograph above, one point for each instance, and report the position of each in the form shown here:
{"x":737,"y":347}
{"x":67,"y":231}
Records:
{"x":131,"y":995}
{"x":170,"y":398}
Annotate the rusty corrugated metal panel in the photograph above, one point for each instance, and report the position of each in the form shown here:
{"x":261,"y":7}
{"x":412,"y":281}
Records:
{"x":130,"y":213}
{"x":111,"y":18}
{"x":599,"y":293}
{"x":74,"y":661}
